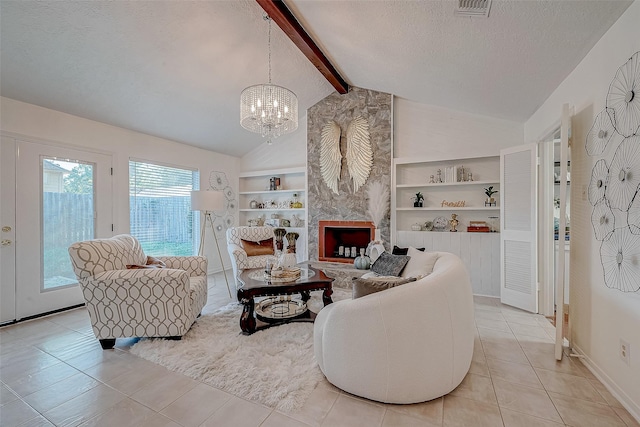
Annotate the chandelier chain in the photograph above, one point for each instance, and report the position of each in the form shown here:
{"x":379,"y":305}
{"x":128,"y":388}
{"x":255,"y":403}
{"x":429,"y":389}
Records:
{"x":269,"y":19}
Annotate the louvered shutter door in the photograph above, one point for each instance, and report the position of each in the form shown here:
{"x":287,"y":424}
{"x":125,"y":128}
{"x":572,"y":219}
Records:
{"x":518,"y":183}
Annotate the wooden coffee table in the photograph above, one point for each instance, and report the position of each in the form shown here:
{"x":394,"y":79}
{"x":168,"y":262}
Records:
{"x":253,"y":284}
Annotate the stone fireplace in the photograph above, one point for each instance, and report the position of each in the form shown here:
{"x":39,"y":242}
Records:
{"x":348,"y":206}
{"x":336,"y":237}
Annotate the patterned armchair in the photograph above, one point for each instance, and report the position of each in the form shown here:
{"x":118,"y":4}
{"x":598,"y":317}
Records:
{"x":239,"y":258}
{"x":142,"y":302}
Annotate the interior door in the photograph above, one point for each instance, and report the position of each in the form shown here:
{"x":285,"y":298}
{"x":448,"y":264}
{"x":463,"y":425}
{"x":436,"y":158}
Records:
{"x":518,"y":246}
{"x":8,"y":233}
{"x":63,"y":195}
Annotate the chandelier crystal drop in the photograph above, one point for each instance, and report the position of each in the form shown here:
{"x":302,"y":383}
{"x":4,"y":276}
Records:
{"x":268,"y":109}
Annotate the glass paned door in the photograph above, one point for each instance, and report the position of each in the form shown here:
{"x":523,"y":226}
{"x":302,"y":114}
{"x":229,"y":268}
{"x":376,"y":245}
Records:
{"x":63,"y":195}
{"x":68,"y":211}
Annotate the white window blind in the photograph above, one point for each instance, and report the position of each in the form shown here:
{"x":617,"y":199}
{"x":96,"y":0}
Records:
{"x":160,"y":204}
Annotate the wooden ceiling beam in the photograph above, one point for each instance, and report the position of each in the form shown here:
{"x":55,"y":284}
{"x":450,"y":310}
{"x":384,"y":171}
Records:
{"x":281,"y":15}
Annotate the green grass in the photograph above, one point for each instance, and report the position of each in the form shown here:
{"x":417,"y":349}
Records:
{"x":168,"y":248}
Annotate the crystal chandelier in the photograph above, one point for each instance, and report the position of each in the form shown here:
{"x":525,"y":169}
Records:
{"x":268,"y":109}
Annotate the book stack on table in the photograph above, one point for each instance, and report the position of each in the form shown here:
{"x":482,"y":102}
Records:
{"x":478,"y":227}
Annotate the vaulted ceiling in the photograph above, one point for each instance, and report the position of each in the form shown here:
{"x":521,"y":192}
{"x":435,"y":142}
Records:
{"x":175,"y":69}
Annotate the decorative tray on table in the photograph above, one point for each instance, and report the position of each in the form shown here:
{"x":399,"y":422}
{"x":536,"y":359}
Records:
{"x":290,"y":274}
{"x":279,"y":307}
{"x":283,"y":275}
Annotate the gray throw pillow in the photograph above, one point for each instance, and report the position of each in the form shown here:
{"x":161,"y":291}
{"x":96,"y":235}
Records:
{"x":389,"y":265}
{"x":362,"y":287}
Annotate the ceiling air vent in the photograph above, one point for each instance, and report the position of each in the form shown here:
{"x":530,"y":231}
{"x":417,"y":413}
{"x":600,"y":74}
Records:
{"x":478,"y":8}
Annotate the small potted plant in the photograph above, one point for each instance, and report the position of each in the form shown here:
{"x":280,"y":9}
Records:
{"x":490,"y":192}
{"x":418,"y":200}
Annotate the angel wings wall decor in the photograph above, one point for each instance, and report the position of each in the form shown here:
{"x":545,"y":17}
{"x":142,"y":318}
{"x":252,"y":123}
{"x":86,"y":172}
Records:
{"x":359,"y":153}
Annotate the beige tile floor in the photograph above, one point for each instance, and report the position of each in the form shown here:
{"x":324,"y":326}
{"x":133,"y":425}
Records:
{"x":53,"y":372}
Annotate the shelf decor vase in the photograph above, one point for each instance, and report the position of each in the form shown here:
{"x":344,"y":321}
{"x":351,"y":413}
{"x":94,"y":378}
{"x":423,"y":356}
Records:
{"x":362,"y":262}
{"x":279,"y":233}
{"x":291,"y":240}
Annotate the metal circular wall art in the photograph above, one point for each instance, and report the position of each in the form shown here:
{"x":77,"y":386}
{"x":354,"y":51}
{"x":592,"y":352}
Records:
{"x":613,"y":189}
{"x":633,"y":216}
{"x":600,"y":134}
{"x":620,"y":256}
{"x":624,"y":174}
{"x":603,"y":220}
{"x":599,"y":181}
{"x":218,"y":180}
{"x":222,"y":220}
{"x":623,"y":99}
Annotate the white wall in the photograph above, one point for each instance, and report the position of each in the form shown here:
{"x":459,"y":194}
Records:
{"x":427,"y":131}
{"x":47,"y":125}
{"x":599,"y":316}
{"x":288,"y":151}
{"x":419,"y":131}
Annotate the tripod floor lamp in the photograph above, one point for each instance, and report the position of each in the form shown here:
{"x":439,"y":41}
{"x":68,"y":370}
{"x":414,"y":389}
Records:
{"x":207,"y":202}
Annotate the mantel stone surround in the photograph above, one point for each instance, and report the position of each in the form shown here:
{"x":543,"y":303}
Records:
{"x":324,"y":204}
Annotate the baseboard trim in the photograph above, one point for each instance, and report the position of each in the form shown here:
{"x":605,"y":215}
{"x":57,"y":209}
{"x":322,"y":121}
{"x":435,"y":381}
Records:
{"x":487,"y":296}
{"x":632,"y":407}
{"x":37,"y":316}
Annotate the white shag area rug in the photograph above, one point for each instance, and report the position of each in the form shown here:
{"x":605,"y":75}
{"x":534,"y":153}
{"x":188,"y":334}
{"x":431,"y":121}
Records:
{"x":275,"y":366}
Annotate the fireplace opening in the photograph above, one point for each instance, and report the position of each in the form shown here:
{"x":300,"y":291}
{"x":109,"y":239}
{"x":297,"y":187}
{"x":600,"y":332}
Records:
{"x":337,"y":239}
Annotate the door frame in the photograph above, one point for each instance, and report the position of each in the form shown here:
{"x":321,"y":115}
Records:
{"x":104,"y":228}
{"x":8,"y":219}
{"x":546,"y":250}
{"x":565,"y":129}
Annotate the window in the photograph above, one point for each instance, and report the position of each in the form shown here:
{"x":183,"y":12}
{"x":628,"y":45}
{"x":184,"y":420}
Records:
{"x":67,"y":216}
{"x":160,"y":203}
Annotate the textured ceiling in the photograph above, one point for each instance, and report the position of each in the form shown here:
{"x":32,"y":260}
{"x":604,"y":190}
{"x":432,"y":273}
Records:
{"x":175,"y":69}
{"x":504,"y":66}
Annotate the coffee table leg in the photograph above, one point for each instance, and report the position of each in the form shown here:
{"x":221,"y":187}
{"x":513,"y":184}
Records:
{"x":304,"y":296}
{"x":326,"y":296}
{"x":247,"y":319}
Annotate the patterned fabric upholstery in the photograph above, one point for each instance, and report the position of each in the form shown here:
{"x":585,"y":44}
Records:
{"x":239,"y":259}
{"x":137,"y":303}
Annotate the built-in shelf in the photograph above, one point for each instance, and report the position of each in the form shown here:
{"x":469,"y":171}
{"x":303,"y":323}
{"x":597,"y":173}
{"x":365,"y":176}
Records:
{"x":271,"y":192}
{"x":479,"y":251}
{"x":273,"y":210}
{"x":447,"y":184}
{"x":452,"y":232}
{"x":254,"y":186}
{"x":274,"y":172}
{"x":466,"y":208}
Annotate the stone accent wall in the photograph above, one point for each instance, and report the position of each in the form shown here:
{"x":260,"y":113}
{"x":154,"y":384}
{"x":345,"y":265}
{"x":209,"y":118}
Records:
{"x":324,"y":204}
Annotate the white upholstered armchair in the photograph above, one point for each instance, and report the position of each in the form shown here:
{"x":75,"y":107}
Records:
{"x":407,"y":344}
{"x":137,"y":302}
{"x":239,"y":258}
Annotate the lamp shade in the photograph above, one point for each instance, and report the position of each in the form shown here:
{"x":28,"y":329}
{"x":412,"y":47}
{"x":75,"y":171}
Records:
{"x":207,"y":200}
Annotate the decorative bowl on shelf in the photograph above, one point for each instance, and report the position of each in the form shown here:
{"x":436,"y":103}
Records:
{"x":440,"y":224}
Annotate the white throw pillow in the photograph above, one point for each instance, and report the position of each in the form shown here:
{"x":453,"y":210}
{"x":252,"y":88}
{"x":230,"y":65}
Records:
{"x":420,"y":264}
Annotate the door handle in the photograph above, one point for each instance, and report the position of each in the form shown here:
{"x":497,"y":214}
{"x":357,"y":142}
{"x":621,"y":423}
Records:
{"x":6,"y":229}
{"x":6,"y":243}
